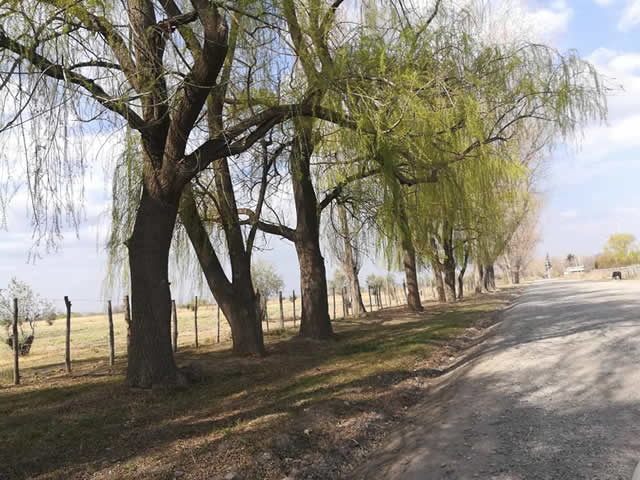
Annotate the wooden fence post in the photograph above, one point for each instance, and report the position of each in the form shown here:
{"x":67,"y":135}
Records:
{"x":218,"y":325}
{"x":175,"y":326}
{"x":16,"y":347}
{"x":112,"y":351}
{"x":294,"y":308}
{"x":344,"y":303}
{"x":127,"y":319}
{"x":281,"y":310}
{"x":195,"y":319}
{"x":334,"y":303}
{"x":370,"y":304}
{"x":263,"y":308}
{"x":67,"y":350}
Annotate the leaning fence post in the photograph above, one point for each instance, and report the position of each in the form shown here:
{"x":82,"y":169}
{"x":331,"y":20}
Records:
{"x":16,"y":347}
{"x":218,"y":325}
{"x":112,"y":352}
{"x":281,"y":310}
{"x":67,"y":350}
{"x":195,"y":319}
{"x":175,"y":326}
{"x":127,"y":319}
{"x":294,"y":308}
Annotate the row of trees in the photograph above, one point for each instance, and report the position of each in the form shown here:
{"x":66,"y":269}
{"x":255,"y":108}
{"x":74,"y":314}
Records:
{"x":390,"y":127}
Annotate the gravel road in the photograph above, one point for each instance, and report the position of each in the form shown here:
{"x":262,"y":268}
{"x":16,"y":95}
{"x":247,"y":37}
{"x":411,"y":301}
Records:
{"x":553,"y":394}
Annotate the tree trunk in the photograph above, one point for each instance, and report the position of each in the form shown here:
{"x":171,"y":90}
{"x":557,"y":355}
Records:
{"x":237,"y":300}
{"x":489,"y":278}
{"x":449,"y":265}
{"x":480,"y":281}
{"x":410,"y":270}
{"x":315,"y":322}
{"x":515,"y":276}
{"x":437,"y":274}
{"x":349,"y":265}
{"x":463,"y":269}
{"x":151,"y":361}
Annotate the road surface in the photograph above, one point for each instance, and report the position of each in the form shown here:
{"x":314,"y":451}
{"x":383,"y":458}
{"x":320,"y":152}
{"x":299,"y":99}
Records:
{"x":553,"y":394}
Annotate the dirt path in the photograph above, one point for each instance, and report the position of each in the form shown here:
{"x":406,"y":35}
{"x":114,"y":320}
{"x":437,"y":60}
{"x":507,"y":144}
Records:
{"x":554,"y":394}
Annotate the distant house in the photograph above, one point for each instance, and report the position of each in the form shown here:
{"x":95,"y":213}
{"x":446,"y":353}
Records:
{"x":576,"y":269}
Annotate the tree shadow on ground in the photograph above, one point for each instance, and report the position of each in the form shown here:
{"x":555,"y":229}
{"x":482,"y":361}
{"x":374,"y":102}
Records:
{"x":93,"y":425}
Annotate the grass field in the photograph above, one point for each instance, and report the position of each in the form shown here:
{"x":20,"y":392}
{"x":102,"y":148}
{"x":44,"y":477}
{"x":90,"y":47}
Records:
{"x":89,"y":336}
{"x":307,"y":410}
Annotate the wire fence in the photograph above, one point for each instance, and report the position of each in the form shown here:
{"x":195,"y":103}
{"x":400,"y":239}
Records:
{"x":101,"y":338}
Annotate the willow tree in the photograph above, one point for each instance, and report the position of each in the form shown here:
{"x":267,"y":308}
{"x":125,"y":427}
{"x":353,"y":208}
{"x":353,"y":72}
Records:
{"x":150,"y":66}
{"x":444,"y":97}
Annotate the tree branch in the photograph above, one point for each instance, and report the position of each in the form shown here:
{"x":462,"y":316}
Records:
{"x":59,"y":72}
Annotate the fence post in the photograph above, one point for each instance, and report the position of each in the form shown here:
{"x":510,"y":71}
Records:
{"x":67,"y":350}
{"x":344,"y":304}
{"x":218,"y":325}
{"x":404,"y":288}
{"x":334,"y":303}
{"x":175,"y":326}
{"x":112,"y":351}
{"x":127,"y":319}
{"x":294,"y":308}
{"x":16,"y":347}
{"x":281,"y":310}
{"x":370,"y":304}
{"x":195,"y":319}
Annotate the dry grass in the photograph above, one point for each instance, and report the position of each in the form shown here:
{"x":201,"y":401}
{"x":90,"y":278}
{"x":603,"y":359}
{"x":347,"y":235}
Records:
{"x":308,"y":409}
{"x":89,"y":335}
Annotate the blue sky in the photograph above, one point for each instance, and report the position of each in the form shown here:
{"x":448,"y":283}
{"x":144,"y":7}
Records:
{"x":590,"y":191}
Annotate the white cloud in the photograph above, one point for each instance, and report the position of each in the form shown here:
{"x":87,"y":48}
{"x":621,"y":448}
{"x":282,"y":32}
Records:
{"x":605,"y":3}
{"x":517,"y":20}
{"x":567,"y":214}
{"x":630,"y":16}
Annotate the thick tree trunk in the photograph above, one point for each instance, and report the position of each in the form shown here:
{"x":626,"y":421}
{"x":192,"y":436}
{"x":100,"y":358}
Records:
{"x":489,"y":280}
{"x":480,"y":280}
{"x":437,"y":275}
{"x":237,"y":300}
{"x":315,"y":322}
{"x":151,"y":361}
{"x":410,"y":270}
{"x":463,"y":269}
{"x":449,"y":266}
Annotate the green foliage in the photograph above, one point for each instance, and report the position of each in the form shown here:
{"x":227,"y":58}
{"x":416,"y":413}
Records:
{"x":375,"y":281}
{"x":620,"y":250}
{"x":266,"y":279}
{"x":338,"y":282}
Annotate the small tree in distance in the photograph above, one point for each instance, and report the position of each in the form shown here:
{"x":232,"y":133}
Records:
{"x":31,"y":309}
{"x":266,"y":279}
{"x":620,"y":250}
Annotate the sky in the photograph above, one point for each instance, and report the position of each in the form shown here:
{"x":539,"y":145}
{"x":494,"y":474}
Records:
{"x":590,"y":187}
